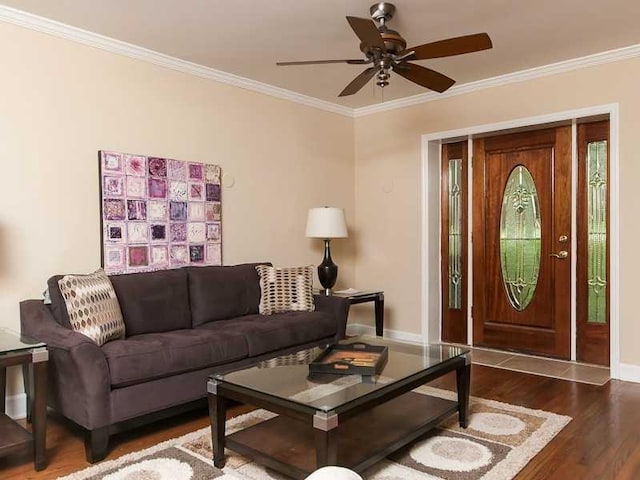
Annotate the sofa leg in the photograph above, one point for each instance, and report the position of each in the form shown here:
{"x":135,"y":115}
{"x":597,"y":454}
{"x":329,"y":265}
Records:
{"x":96,"y":444}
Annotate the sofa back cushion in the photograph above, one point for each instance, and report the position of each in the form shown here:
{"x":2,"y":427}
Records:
{"x":153,"y":302}
{"x":218,"y":293}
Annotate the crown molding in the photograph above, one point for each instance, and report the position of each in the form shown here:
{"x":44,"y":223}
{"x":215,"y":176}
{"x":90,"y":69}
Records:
{"x":58,"y":29}
{"x":609,"y":56}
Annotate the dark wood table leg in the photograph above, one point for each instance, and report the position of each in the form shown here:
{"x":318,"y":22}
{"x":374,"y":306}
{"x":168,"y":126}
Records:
{"x":39,"y":414}
{"x":324,"y":431}
{"x":379,"y":308}
{"x":27,"y":381}
{"x":218,"y":418}
{"x":463,"y":379}
{"x":3,"y":389}
{"x":326,"y":452}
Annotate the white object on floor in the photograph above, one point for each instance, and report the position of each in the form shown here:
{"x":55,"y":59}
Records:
{"x":334,"y":473}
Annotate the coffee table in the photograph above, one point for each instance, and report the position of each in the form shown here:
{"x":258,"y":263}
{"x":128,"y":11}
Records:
{"x":348,"y":420}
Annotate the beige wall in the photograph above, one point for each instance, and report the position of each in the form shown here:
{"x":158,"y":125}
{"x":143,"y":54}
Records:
{"x":388,"y":152}
{"x":61,"y":102}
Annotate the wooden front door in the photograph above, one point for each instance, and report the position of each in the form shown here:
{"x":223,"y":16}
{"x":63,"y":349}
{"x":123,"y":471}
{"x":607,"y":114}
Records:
{"x":522,"y":242}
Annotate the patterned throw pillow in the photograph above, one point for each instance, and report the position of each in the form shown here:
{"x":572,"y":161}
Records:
{"x":285,"y":289}
{"x":93,"y":306}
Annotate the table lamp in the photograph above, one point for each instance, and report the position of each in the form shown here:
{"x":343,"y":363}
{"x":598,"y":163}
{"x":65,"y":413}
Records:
{"x":326,"y":223}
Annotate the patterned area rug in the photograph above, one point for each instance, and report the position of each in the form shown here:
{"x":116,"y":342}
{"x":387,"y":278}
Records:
{"x":500,"y":440}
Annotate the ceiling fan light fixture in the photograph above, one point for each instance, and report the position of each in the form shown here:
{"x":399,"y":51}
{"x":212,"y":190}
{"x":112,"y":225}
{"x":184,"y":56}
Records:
{"x":382,"y":79}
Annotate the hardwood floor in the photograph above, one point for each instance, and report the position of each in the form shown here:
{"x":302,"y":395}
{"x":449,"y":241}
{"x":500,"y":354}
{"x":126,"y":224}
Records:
{"x":602,"y":442}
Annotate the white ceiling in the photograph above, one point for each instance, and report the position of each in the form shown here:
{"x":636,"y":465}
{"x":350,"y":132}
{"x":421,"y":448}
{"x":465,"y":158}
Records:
{"x":247,"y":37}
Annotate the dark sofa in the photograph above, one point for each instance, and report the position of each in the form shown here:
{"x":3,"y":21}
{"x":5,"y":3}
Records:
{"x":181,"y":326}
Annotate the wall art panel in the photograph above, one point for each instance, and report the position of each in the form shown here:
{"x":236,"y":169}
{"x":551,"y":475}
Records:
{"x":158,"y":213}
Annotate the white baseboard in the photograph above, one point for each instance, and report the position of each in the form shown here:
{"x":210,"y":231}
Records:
{"x":17,"y":406}
{"x":629,"y":372}
{"x":359,"y":329}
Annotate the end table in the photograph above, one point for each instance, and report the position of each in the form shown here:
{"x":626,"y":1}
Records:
{"x":33,"y":356}
{"x":363,"y":296}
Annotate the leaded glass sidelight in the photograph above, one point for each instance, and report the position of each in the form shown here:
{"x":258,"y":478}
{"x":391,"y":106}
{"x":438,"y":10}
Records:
{"x":455,"y":233}
{"x":597,"y":231}
{"x":520,"y":238}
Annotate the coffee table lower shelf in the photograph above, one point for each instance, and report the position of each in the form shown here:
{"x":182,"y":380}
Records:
{"x":287,"y":445}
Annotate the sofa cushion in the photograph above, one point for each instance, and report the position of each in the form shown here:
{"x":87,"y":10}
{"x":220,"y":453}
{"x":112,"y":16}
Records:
{"x":92,"y":306}
{"x":154,"y":355}
{"x":281,"y":330}
{"x":218,"y":293}
{"x":154,"y":301}
{"x":285,"y":289}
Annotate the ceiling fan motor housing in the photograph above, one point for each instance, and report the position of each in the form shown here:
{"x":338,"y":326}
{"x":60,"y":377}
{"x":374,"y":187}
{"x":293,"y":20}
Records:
{"x":393,"y":42}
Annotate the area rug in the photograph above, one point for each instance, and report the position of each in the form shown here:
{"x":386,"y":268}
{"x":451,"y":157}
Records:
{"x":500,"y":440}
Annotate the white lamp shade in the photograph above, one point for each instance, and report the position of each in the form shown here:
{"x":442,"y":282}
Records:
{"x":326,"y":222}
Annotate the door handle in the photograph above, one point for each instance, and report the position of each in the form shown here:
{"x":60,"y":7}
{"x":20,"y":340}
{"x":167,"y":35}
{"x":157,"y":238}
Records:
{"x":561,"y":254}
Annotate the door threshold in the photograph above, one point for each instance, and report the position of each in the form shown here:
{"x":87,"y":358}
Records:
{"x":546,"y":367}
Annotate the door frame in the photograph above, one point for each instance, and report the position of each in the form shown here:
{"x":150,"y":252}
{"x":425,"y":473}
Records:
{"x":431,"y":228}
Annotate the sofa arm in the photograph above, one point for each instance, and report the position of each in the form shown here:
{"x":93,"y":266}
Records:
{"x":336,"y":306}
{"x":37,"y":322}
{"x":79,"y":380}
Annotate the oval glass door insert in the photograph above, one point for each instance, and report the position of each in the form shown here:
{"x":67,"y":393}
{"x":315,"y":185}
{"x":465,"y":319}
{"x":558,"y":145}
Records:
{"x":520,"y":238}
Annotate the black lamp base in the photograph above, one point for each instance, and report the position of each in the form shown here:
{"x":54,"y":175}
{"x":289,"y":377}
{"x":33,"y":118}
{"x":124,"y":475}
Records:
{"x":327,"y":270}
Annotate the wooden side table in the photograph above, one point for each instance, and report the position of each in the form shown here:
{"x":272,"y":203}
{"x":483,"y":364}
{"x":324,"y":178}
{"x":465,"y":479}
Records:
{"x":17,"y":350}
{"x":364,"y":296}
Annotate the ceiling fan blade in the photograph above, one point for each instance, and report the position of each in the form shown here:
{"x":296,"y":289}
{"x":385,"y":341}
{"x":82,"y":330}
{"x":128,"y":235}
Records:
{"x":424,"y":76}
{"x":356,"y":61}
{"x":450,"y":46}
{"x":366,"y":31}
{"x":359,"y":82}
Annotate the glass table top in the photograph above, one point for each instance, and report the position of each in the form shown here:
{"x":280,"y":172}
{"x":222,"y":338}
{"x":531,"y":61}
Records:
{"x":288,"y":377}
{"x":356,"y":293}
{"x":13,"y":342}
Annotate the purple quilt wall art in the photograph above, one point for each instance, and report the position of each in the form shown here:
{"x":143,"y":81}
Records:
{"x":158,"y":213}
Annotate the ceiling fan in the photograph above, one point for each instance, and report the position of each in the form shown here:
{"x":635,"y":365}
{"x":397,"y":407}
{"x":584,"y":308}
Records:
{"x":385,"y":50}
